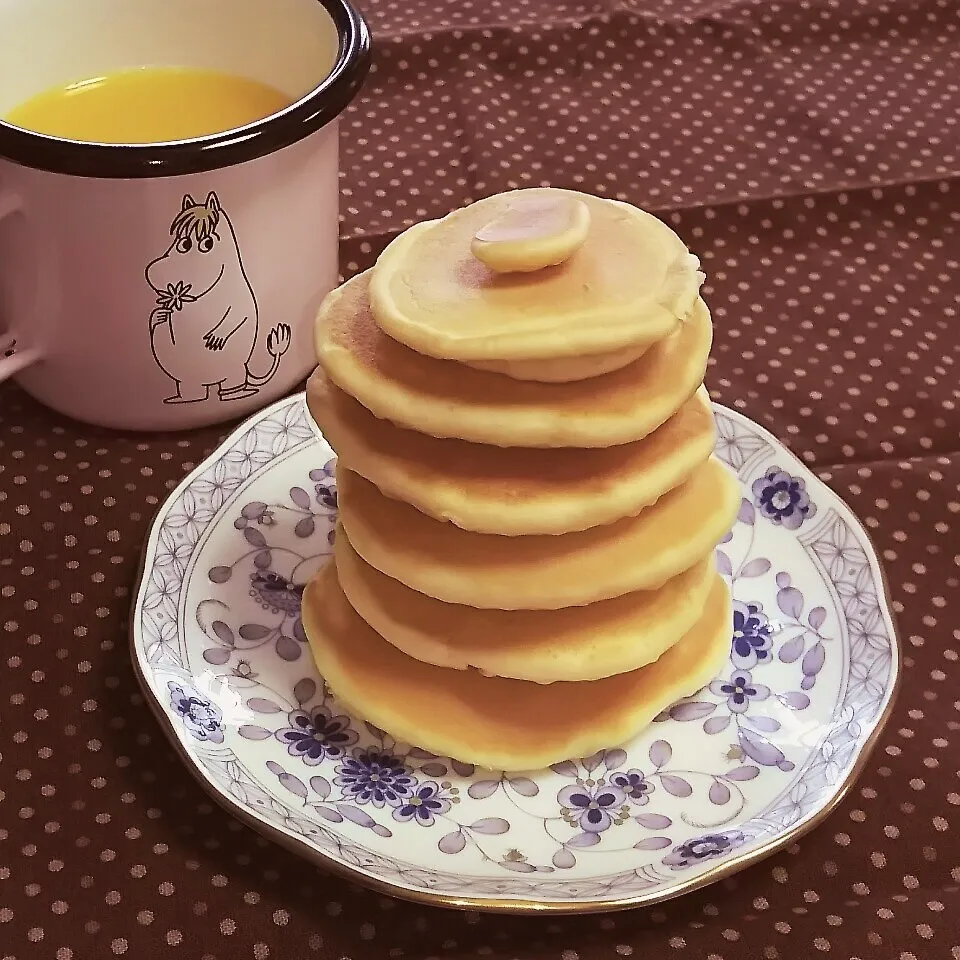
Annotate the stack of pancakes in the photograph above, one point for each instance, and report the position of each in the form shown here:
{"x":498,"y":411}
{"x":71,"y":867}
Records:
{"x":528,"y":505}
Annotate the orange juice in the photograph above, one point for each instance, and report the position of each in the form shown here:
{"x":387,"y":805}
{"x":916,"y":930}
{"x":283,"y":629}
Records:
{"x":148,"y":105}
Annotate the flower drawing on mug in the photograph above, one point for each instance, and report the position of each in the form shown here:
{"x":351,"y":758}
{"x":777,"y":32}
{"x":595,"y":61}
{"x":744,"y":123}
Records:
{"x":205,"y":330}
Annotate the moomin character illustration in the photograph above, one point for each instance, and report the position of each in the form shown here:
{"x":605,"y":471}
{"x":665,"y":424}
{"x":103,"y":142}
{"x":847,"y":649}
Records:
{"x":205,"y":330}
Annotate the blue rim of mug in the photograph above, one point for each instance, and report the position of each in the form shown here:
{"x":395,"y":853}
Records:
{"x":314,"y":110}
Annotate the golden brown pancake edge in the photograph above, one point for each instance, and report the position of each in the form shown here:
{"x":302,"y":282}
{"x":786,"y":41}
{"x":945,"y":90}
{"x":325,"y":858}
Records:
{"x":513,"y":491}
{"x":493,"y":722}
{"x":543,"y":646}
{"x":540,"y":572}
{"x":447,"y":399}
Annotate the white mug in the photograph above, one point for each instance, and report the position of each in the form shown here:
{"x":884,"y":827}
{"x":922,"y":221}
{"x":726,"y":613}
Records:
{"x":171,"y":285}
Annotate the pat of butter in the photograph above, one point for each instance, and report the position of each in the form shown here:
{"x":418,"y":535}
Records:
{"x":533,"y":233}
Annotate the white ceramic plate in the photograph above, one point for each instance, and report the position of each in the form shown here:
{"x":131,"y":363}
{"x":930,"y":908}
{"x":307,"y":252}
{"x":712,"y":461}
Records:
{"x":718,"y":781}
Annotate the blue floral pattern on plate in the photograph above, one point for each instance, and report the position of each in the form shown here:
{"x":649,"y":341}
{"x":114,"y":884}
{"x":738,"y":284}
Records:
{"x":716,"y":781}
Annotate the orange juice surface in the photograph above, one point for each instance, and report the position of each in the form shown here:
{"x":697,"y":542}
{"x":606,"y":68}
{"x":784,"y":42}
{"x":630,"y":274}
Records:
{"x":148,"y":105}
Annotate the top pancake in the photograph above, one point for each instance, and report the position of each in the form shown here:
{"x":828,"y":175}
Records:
{"x":446,"y":399}
{"x":626,"y":285}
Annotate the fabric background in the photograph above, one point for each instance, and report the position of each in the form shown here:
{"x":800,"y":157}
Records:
{"x":808,"y":150}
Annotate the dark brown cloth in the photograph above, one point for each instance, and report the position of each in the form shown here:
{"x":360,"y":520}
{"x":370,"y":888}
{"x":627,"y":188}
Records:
{"x":808,"y":150}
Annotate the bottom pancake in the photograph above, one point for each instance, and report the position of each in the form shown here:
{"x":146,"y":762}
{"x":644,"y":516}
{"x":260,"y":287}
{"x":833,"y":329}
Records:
{"x":492,"y":722}
{"x":570,"y":644}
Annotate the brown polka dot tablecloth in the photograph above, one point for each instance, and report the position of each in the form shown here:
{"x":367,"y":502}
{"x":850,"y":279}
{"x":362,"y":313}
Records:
{"x":809,"y":152}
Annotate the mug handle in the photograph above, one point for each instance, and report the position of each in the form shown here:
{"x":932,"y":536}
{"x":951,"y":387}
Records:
{"x":13,"y":360}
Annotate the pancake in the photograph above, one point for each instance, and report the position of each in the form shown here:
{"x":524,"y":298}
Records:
{"x":624,"y":286}
{"x":446,"y":399}
{"x":544,"y":646}
{"x":562,"y":369}
{"x":540,"y":572}
{"x":513,"y":491}
{"x":493,"y":722}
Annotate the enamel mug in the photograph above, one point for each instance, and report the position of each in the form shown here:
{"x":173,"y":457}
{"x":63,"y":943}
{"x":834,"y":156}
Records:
{"x":171,"y":285}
